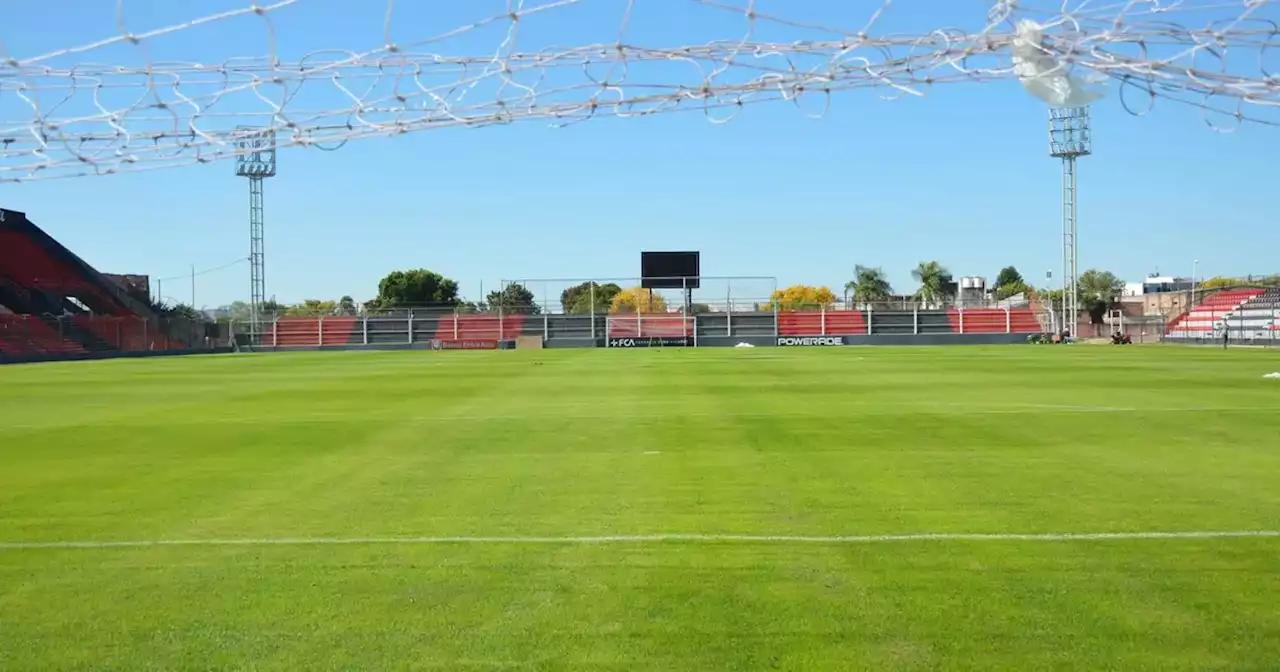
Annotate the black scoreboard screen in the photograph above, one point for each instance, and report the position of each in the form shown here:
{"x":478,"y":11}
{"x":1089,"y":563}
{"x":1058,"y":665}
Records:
{"x":670,"y":270}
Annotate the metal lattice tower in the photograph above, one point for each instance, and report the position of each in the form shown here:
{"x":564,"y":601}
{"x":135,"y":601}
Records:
{"x":256,"y":160}
{"x":1070,"y":139}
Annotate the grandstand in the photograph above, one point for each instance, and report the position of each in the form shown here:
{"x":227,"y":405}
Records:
{"x":1247,"y":314}
{"x":53,"y":303}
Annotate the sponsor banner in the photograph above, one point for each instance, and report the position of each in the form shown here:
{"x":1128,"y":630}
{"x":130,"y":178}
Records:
{"x":464,"y":344}
{"x":646,"y":342}
{"x":810,"y":340}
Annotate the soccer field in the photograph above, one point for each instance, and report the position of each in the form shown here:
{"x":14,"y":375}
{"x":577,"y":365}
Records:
{"x":665,"y":509}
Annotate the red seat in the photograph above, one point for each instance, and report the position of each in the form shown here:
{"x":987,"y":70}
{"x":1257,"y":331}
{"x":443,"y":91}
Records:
{"x":131,"y":334}
{"x":650,"y":325}
{"x":480,"y":327}
{"x":821,"y":323}
{"x":29,"y":335}
{"x":295,"y":332}
{"x":979,"y":320}
{"x":340,"y":330}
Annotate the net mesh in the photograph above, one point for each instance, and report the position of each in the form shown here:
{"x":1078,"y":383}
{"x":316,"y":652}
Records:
{"x":168,"y":84}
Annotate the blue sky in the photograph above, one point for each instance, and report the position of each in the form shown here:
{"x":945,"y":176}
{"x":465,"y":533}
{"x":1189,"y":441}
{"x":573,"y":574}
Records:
{"x":961,"y":175}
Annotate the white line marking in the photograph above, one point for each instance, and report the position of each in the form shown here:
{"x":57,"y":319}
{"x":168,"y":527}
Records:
{"x":646,"y":538}
{"x":645,"y":413}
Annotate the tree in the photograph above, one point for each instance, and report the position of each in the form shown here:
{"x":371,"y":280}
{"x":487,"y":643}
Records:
{"x":637,"y":300}
{"x":418,"y":287}
{"x":514,"y":298}
{"x":1009,"y":282}
{"x":577,"y":299}
{"x":347,"y":306}
{"x":799,"y":297}
{"x":934,"y":281}
{"x":1009,"y":275}
{"x":1218,"y":283}
{"x":868,"y":285}
{"x":312,"y":308}
{"x":1052,"y":297}
{"x":1098,"y":291}
{"x":699,"y":308}
{"x":1095,"y":284}
{"x":238,"y":310}
{"x":182,"y":311}
{"x":1012,"y":289}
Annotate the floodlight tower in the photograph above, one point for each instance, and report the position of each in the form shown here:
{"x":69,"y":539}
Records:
{"x":256,"y":160}
{"x":1069,"y":139}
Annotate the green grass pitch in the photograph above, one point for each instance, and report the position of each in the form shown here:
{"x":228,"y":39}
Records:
{"x":489,"y":447}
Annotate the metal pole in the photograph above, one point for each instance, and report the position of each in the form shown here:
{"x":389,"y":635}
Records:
{"x":591,"y":288}
{"x":256,"y":160}
{"x":1070,"y":138}
{"x":1195,"y":266}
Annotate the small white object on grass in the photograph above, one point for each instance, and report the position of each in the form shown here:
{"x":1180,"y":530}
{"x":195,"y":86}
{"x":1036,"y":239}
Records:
{"x":1272,"y":375}
{"x":744,"y":345}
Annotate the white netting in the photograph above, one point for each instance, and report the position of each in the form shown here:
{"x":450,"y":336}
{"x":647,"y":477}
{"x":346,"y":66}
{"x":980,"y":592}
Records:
{"x":149,"y":93}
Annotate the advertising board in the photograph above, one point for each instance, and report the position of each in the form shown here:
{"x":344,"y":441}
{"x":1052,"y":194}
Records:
{"x":810,"y":341}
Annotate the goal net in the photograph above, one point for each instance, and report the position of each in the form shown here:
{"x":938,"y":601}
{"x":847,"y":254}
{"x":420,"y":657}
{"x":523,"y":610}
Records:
{"x":134,"y":85}
{"x":649,"y":330}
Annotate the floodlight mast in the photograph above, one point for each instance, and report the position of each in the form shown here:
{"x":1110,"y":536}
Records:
{"x":256,"y":160}
{"x":1069,"y":139}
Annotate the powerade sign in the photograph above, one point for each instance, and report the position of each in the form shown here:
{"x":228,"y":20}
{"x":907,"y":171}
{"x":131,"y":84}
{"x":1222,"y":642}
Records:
{"x":810,"y":340}
{"x":644,"y":342}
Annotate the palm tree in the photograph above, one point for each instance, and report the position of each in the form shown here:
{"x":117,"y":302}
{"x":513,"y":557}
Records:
{"x":933,"y":278}
{"x":1095,"y":284}
{"x":868,"y":285}
{"x":1097,"y":289}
